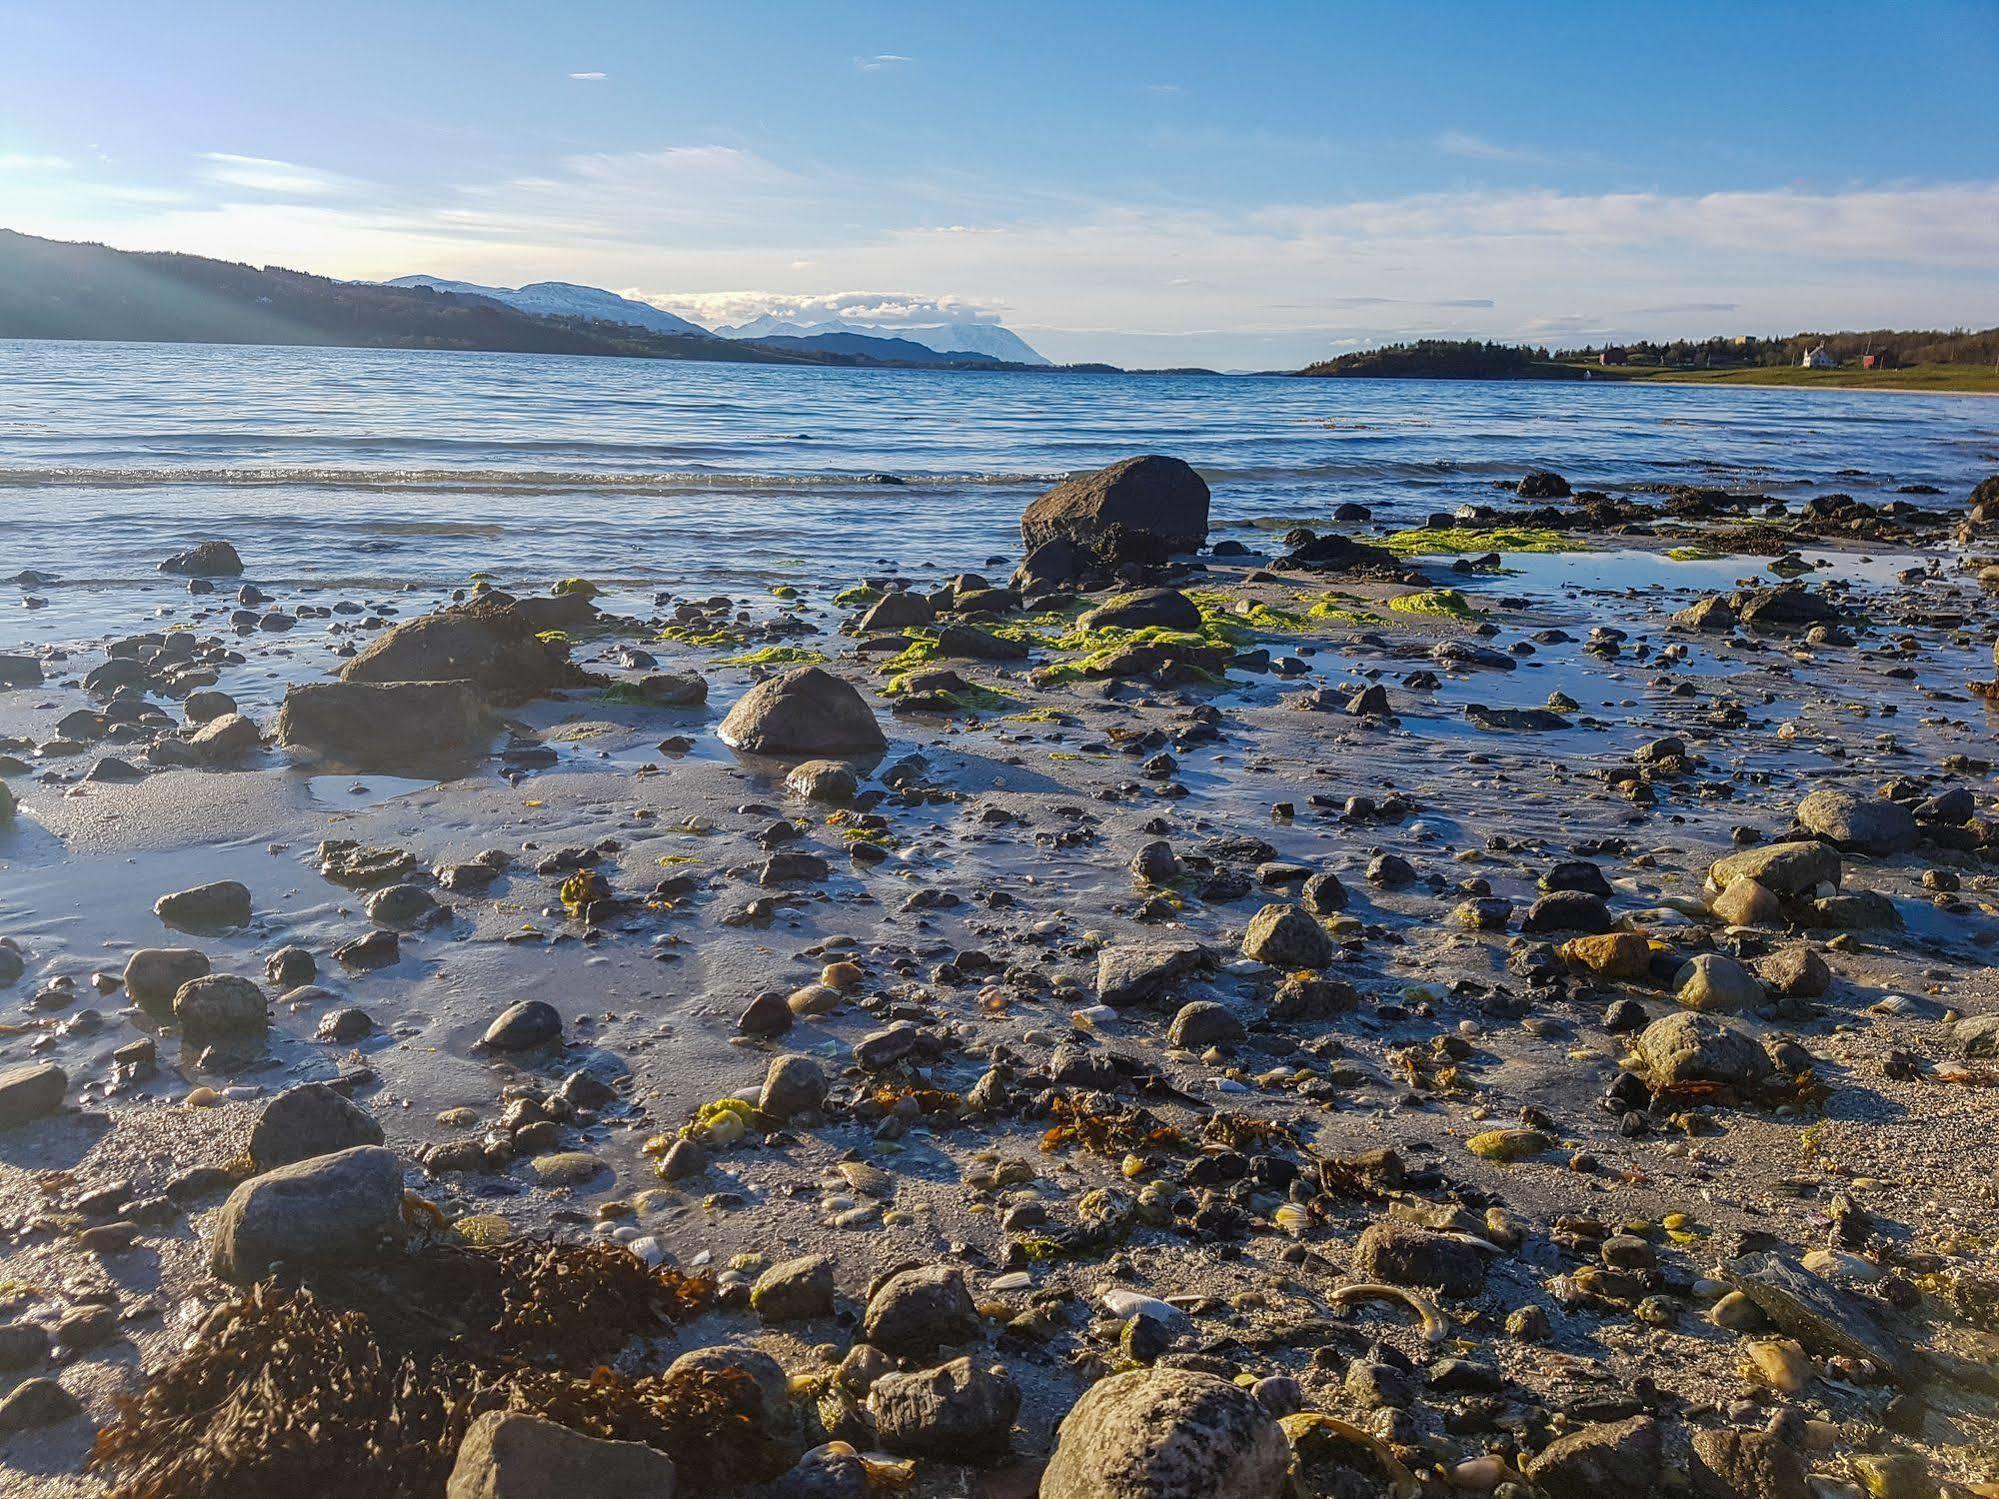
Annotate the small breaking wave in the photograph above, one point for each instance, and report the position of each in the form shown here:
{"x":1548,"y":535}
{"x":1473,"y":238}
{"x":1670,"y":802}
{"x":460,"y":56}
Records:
{"x":313,"y":477}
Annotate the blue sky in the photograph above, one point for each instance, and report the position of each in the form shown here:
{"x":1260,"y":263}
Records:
{"x":1248,"y":185}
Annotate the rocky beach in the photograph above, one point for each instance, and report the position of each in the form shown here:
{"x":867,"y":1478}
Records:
{"x":1340,"y":1003}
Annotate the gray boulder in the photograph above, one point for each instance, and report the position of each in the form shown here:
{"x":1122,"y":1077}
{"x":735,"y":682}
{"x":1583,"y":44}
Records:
{"x":207,"y":559}
{"x":803,"y":713}
{"x":1795,"y":973}
{"x":1052,"y":565}
{"x":226,"y":739}
{"x":381,"y":726}
{"x":1202,"y":1023}
{"x":793,"y":1085}
{"x":674,"y":689}
{"x":492,"y":642}
{"x":916,"y":1312}
{"x":511,"y":1455}
{"x":1166,"y":608}
{"x":1621,"y":1458}
{"x":1716,"y":983}
{"x":897,"y":611}
{"x":400,"y":905}
{"x":1688,"y":1047}
{"x":30,"y":1091}
{"x":1729,"y":1464}
{"x":206,"y":908}
{"x":1285,"y":937}
{"x":1150,"y":496}
{"x":309,"y":1120}
{"x":1405,"y":1255}
{"x":1130,"y":972}
{"x":1859,"y":824}
{"x":20,"y":671}
{"x":832,"y":782}
{"x":220,"y":1004}
{"x":1787,"y":870}
{"x":1167,"y":1434}
{"x":36,"y":1402}
{"x":344,"y":1208}
{"x":532,"y":1022}
{"x":1978,"y":1036}
{"x":959,"y":1413}
{"x":795,"y":1290}
{"x":153,"y":975}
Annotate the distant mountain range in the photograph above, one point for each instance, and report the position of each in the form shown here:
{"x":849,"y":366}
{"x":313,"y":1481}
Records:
{"x":565,"y":299}
{"x":961,"y":337}
{"x":55,"y":289}
{"x":961,"y":341}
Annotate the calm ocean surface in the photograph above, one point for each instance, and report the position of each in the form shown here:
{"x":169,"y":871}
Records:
{"x":351,"y":467}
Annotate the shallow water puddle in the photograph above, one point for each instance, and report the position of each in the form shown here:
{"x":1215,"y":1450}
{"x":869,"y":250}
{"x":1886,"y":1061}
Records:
{"x":362,"y":791}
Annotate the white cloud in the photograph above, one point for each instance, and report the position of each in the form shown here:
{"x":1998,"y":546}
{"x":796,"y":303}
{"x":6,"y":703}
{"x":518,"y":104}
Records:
{"x":283,"y":179}
{"x":727,"y":307}
{"x":589,"y":77}
{"x":16,"y":161}
{"x":881,"y":61}
{"x":1164,"y":88}
{"x":1477,"y":148}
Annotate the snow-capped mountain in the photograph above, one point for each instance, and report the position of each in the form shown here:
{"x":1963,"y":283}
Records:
{"x":565,"y":299}
{"x":962,"y":337}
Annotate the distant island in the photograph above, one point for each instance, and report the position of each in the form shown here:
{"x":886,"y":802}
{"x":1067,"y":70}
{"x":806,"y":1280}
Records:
{"x":52,"y":289}
{"x":1883,"y":359}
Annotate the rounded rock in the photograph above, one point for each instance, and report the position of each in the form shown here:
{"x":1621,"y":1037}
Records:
{"x":1167,"y":1434}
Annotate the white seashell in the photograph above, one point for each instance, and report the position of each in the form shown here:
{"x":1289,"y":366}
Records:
{"x":1019,"y":1280}
{"x":1129,"y":1304}
{"x":647,"y":1249}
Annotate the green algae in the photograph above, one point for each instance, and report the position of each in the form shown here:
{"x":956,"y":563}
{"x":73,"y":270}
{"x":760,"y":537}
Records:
{"x":686,"y":635}
{"x":974,"y":697}
{"x":859,"y":594}
{"x":579,"y":587}
{"x":776,"y":655}
{"x":1458,"y":541}
{"x":1696,"y":554}
{"x":1446,"y":603}
{"x":1344,"y":610}
{"x":922,"y":650}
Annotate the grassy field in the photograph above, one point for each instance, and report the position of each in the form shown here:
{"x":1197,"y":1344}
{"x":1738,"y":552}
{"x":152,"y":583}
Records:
{"x":1977,"y":379}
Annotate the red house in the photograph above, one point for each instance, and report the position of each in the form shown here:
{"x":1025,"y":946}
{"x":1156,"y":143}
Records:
{"x":1611,"y":356}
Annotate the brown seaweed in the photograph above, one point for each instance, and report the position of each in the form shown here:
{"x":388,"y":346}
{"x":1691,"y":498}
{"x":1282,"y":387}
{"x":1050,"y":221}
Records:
{"x":369,"y":1377}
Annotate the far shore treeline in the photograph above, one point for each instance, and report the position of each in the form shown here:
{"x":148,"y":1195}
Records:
{"x":1883,"y":358}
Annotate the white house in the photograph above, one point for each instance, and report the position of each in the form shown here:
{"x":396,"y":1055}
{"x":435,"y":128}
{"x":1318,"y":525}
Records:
{"x":1818,"y":359}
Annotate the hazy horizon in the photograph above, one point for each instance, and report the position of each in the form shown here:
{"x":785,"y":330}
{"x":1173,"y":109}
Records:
{"x":1143,"y":186}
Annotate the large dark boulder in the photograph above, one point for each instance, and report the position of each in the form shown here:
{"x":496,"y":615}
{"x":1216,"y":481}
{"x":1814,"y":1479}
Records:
{"x":383,"y":726}
{"x":328,"y":1210}
{"x":804,"y":713}
{"x":491,"y":642}
{"x":1164,"y":608}
{"x":1119,"y":510}
{"x":207,"y":559}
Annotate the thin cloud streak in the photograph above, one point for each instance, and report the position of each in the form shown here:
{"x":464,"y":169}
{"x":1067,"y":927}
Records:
{"x":279,"y":178}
